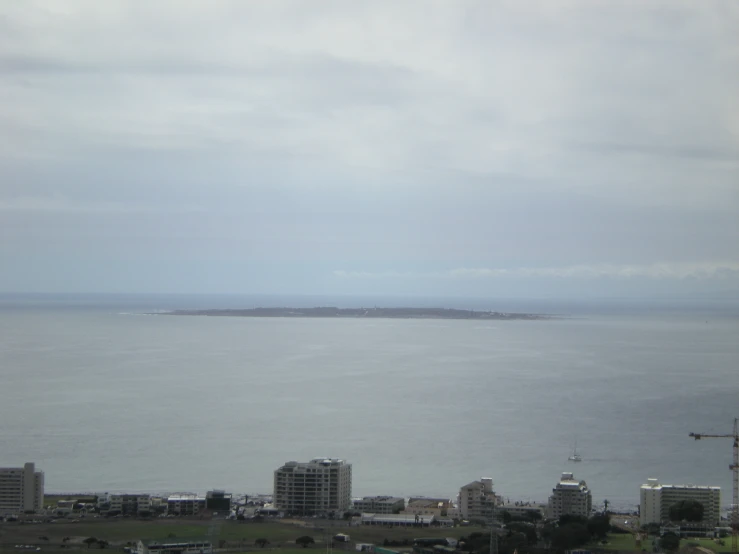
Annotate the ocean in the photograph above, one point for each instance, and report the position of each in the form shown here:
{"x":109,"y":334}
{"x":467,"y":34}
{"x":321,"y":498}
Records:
{"x":105,"y":398}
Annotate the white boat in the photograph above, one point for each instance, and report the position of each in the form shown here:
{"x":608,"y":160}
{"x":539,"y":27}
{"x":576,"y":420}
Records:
{"x":575,"y":456}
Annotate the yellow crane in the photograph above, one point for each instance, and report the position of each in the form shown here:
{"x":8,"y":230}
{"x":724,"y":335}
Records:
{"x":734,"y":467}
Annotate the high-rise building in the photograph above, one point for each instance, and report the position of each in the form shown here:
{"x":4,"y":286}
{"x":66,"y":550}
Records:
{"x":320,"y":486}
{"x":476,"y":500}
{"x":656,"y":499}
{"x":21,"y":489}
{"x":570,"y":497}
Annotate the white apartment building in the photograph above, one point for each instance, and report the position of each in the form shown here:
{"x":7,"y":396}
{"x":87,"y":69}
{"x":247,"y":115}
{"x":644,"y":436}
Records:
{"x":476,"y":500}
{"x":185,"y":504}
{"x":320,"y":486}
{"x":379,"y":504}
{"x":656,"y":499}
{"x":129,"y":504}
{"x":570,"y":497}
{"x":21,"y":489}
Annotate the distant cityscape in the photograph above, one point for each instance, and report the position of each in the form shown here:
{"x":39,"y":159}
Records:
{"x":322,"y":487}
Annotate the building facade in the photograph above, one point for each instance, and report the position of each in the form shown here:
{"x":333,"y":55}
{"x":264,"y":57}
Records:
{"x":218,"y":501}
{"x":203,"y":546}
{"x":427,"y":507}
{"x":21,"y":489}
{"x":379,"y":504}
{"x":129,"y":504}
{"x":570,"y":497}
{"x":321,"y":486}
{"x":656,"y":499}
{"x":185,"y":504}
{"x":476,"y":500}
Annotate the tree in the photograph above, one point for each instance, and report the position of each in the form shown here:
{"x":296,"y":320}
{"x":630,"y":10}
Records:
{"x":547,"y":532}
{"x":304,"y":541}
{"x":651,"y":528}
{"x":527,"y":529}
{"x":571,"y":518}
{"x":261,"y":543}
{"x":686,"y":510}
{"x":670,"y":542}
{"x":89,"y":541}
{"x":514,"y":542}
{"x":570,"y":536}
{"x":599,"y":525}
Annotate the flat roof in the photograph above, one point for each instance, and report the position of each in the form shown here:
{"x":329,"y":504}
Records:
{"x":395,"y":518}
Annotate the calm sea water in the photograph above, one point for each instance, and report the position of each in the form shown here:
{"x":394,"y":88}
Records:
{"x":103,"y":398}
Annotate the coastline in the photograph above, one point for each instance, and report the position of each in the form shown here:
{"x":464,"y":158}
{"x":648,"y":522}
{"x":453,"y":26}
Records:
{"x":366,"y":313}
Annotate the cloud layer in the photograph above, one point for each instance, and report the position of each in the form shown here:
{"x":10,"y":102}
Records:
{"x":595,"y":139}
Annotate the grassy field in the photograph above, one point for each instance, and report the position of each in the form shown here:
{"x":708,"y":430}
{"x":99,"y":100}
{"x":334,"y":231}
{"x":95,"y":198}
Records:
{"x":626,"y":542}
{"x":237,"y":534}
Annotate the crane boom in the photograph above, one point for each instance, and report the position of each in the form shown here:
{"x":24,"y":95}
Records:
{"x":734,"y":467}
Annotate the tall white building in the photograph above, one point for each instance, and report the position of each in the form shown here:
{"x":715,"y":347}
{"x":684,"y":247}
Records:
{"x":21,"y":489}
{"x":570,"y":497}
{"x":320,"y":486}
{"x":656,"y":499}
{"x":476,"y":500}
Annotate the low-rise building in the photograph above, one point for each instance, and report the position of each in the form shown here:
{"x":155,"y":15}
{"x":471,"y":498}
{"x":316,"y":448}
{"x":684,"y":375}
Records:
{"x":570,"y":497}
{"x":531,"y":512}
{"x":185,"y":504}
{"x":379,"y":504}
{"x":129,"y":504}
{"x":21,"y":490}
{"x":174,"y":547}
{"x":218,"y":501}
{"x":655,"y":501}
{"x":427,"y":507}
{"x":397,"y":520}
{"x":446,"y":502}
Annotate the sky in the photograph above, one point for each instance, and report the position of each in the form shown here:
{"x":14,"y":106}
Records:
{"x":450,"y":148}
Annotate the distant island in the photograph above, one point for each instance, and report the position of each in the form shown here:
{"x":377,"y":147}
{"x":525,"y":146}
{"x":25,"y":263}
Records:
{"x":386,"y":313}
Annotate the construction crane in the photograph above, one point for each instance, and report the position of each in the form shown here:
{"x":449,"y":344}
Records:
{"x":734,"y":467}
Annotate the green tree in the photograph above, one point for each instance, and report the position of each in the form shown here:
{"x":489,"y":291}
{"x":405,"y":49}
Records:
{"x":261,"y":543}
{"x":570,"y":536}
{"x":570,"y":518}
{"x":547,"y":532}
{"x":513,"y":542}
{"x":304,"y":541}
{"x":526,"y":529}
{"x":89,"y":541}
{"x":599,"y":525}
{"x":669,"y":542}
{"x":686,"y":510}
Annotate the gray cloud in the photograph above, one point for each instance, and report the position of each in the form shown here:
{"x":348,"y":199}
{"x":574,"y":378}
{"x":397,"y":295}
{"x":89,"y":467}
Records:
{"x":395,"y":138}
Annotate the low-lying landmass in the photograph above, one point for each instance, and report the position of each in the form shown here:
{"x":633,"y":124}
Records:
{"x":391,"y":313}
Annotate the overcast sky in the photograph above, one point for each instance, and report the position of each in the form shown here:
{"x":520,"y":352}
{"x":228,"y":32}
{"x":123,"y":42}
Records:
{"x":379,"y":147}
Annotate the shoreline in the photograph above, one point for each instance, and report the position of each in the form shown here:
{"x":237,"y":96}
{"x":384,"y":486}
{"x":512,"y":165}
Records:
{"x":365,"y":313}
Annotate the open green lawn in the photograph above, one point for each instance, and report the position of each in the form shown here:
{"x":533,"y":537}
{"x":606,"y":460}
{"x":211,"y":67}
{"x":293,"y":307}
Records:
{"x":237,"y":534}
{"x":626,"y":542}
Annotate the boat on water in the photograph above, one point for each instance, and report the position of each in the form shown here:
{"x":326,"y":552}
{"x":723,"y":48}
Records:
{"x":575,"y":457}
